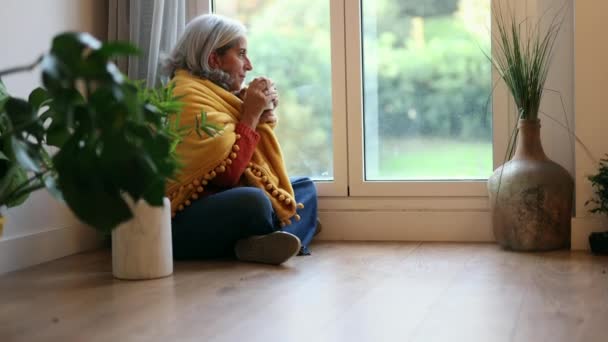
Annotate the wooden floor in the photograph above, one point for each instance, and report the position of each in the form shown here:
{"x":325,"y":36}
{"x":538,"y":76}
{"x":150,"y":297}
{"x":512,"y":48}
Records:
{"x":343,"y":292}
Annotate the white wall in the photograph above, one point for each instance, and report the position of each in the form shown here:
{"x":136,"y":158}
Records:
{"x":556,"y":139}
{"x":42,"y":228}
{"x":591,"y":84}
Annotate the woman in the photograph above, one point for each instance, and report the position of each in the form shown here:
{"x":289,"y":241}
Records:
{"x":233,"y":196}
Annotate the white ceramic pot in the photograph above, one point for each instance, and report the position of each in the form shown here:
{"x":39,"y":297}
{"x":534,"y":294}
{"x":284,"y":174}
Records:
{"x":142,"y":246}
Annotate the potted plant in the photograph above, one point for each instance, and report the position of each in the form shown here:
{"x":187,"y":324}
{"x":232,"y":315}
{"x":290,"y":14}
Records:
{"x":132,"y":255}
{"x":598,"y":241}
{"x":113,"y":145}
{"x":530,"y":195}
{"x":12,"y":175}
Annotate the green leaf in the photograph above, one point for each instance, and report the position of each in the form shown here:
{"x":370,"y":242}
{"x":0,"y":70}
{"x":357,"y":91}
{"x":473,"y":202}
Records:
{"x":118,"y":48}
{"x":68,"y":47}
{"x":19,"y":111}
{"x":27,"y":155}
{"x":88,"y":40}
{"x":599,"y":182}
{"x":117,"y":139}
{"x":55,"y":75}
{"x":115,"y":73}
{"x":63,"y":105}
{"x":210,"y":130}
{"x":122,"y":160}
{"x":153,"y":114}
{"x":13,"y":179}
{"x":93,"y":198}
{"x":57,"y":133}
{"x":93,"y":203}
{"x":19,"y":178}
{"x":38,"y":97}
{"x":523,"y":57}
{"x":155,"y":193}
{"x":3,"y":95}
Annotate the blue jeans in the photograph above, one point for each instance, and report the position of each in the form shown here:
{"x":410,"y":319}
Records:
{"x":210,"y":226}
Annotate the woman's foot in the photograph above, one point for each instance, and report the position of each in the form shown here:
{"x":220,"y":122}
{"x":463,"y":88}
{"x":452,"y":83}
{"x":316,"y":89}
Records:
{"x":274,"y":248}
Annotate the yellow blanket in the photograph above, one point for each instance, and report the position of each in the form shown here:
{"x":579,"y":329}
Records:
{"x":203,"y":158}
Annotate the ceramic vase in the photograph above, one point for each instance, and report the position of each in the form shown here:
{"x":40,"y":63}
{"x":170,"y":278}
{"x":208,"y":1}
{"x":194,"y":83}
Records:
{"x":531,"y":197}
{"x":142,"y":246}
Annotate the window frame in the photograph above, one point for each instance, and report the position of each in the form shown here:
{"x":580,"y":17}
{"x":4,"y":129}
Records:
{"x":358,"y":186}
{"x":347,"y":124}
{"x":339,"y":185}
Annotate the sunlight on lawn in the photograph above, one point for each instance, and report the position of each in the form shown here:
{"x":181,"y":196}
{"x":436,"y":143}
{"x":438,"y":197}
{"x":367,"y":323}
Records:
{"x":434,"y":159}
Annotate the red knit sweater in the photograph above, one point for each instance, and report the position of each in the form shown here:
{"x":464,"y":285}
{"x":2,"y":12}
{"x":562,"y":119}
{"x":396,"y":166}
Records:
{"x":229,"y":179}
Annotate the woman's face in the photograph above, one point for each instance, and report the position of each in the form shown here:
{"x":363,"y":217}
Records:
{"x":234,"y":62}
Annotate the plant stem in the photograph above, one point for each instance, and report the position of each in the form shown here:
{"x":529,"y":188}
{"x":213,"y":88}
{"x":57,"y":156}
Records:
{"x":23,"y":68}
{"x":13,"y":130}
{"x":29,"y":189}
{"x":24,"y":188}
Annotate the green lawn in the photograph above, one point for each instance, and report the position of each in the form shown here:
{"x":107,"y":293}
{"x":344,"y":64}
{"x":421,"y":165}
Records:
{"x":432,"y":159}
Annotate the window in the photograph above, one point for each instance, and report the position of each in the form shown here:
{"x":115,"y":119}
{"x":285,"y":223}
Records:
{"x":291,"y":43}
{"x":380,"y":97}
{"x":426,"y":87}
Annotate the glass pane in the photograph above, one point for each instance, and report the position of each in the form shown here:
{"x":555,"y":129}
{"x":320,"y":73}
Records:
{"x":427,"y":85}
{"x":289,"y":42}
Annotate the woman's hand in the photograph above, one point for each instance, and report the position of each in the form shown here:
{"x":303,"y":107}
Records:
{"x":241,"y":93}
{"x":258,"y":98}
{"x":268,"y":117}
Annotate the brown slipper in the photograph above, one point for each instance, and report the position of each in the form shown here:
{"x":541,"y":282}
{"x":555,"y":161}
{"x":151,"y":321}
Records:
{"x":274,"y":248}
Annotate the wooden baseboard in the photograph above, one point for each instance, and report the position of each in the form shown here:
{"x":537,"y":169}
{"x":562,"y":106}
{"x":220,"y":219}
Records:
{"x":32,"y":249}
{"x":457,"y":226}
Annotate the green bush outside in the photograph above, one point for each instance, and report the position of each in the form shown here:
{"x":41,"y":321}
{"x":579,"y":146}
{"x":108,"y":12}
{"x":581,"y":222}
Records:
{"x":433,"y":79}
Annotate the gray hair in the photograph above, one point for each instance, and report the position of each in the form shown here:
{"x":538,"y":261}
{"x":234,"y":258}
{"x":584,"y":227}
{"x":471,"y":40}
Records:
{"x":203,"y":35}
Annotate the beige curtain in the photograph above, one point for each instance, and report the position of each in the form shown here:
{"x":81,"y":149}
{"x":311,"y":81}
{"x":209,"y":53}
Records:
{"x":154,"y":26}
